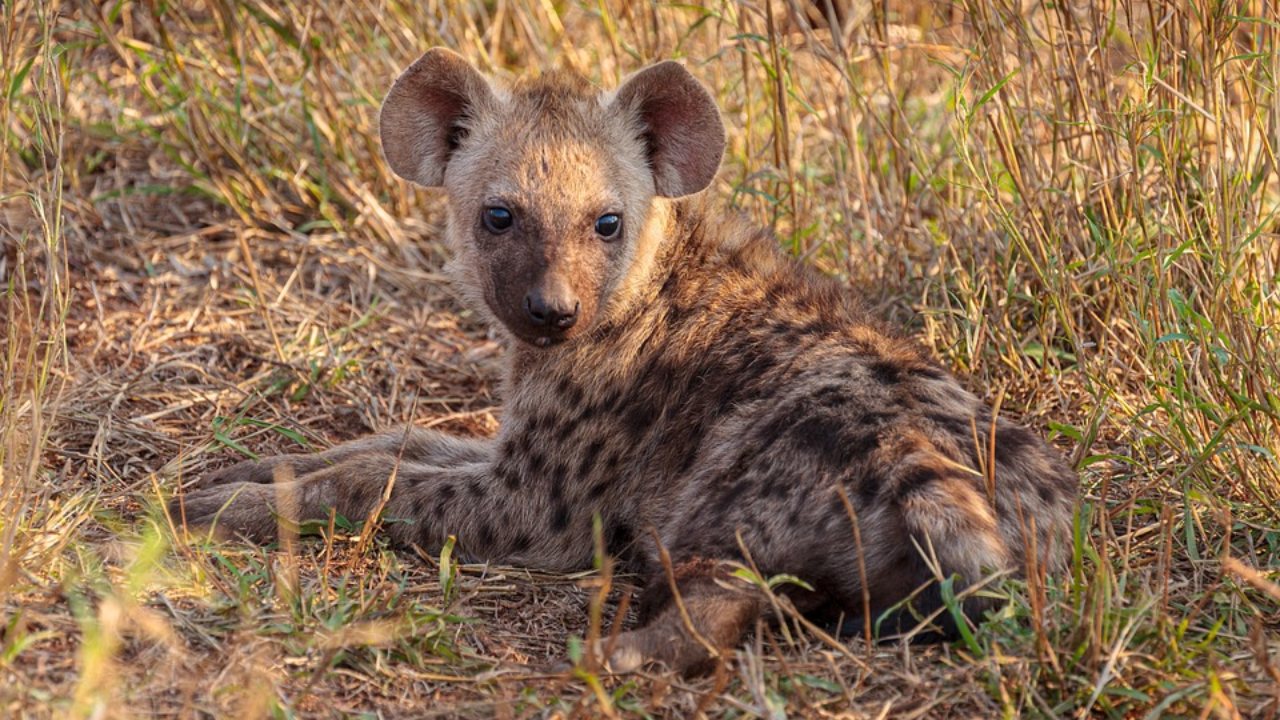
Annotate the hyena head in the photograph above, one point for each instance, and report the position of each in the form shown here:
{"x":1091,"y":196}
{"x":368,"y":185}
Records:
{"x":554,"y":187}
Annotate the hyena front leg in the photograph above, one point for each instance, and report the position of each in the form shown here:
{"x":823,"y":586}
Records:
{"x":413,"y":444}
{"x":424,"y":504}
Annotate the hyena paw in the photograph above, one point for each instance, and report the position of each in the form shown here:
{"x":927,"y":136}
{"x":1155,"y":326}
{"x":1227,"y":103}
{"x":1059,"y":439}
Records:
{"x":228,"y":510}
{"x":623,"y":655}
{"x":658,"y":646}
{"x":627,"y":655}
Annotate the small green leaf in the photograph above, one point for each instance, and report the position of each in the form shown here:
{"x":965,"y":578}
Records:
{"x":448,"y":570}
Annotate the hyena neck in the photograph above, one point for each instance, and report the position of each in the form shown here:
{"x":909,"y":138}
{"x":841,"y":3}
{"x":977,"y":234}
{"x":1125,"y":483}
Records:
{"x":701,"y":249}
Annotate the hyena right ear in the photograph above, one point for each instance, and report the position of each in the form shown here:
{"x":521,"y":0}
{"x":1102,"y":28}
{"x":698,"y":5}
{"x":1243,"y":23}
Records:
{"x":427,"y":113}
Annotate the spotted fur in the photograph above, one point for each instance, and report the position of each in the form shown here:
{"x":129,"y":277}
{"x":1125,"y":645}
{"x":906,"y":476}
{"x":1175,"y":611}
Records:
{"x":713,"y":393}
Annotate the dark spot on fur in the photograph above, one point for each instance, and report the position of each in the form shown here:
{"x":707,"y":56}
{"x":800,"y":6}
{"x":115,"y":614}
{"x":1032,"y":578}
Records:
{"x":446,"y":492}
{"x":777,"y":487}
{"x":754,"y":365}
{"x":588,"y":412}
{"x":869,"y":485}
{"x":588,"y":462}
{"x":763,"y":537}
{"x":780,"y":424}
{"x":686,"y":462}
{"x":885,"y":372}
{"x":566,"y":426}
{"x":521,"y":543}
{"x":669,"y":286}
{"x":793,"y":515}
{"x":597,"y":489}
{"x":832,"y":396}
{"x":820,"y":434}
{"x":559,"y":517}
{"x":728,"y":394}
{"x":475,"y":489}
{"x":930,"y":372}
{"x":860,"y":444}
{"x":1011,"y":442}
{"x":610,"y":403}
{"x":677,"y":313}
{"x":818,"y":326}
{"x":767,"y":487}
{"x":532,"y":424}
{"x":803,"y":498}
{"x":731,"y":496}
{"x":915,"y":480}
{"x":570,"y":392}
{"x":485,"y":536}
{"x":875,"y":418}
{"x":640,"y":417}
{"x":618,"y":537}
{"x":1047,"y":494}
{"x":420,"y":506}
{"x":523,"y":445}
{"x":826,"y":437}
{"x":536,"y":462}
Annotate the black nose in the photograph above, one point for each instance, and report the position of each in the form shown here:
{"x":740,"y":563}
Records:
{"x":558,"y":311}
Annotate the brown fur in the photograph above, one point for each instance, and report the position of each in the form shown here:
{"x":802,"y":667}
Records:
{"x":713,"y":389}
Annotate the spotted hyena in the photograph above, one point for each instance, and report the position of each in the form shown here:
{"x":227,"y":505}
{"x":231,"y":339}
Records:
{"x":672,"y":372}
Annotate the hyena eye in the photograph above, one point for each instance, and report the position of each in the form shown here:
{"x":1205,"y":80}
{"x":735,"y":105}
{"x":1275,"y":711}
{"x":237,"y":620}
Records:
{"x":497,"y":220}
{"x":608,"y":226}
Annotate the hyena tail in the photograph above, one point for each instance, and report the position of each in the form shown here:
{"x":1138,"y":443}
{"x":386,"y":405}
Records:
{"x":950,"y":540}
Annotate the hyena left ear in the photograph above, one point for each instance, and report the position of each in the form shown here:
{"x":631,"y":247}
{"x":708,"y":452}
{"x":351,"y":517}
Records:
{"x":679,"y":123}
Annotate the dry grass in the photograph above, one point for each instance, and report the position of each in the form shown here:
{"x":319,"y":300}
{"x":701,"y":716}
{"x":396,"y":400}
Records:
{"x":201,"y":255}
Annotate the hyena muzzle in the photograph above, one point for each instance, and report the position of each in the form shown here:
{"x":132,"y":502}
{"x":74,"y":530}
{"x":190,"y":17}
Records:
{"x":673,"y":373}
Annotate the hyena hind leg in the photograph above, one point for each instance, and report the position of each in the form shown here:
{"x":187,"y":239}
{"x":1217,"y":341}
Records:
{"x":718,"y":610}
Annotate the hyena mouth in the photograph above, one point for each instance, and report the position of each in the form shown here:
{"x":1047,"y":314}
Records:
{"x":545,"y":341}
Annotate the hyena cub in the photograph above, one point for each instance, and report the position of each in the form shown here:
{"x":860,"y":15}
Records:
{"x":672,"y":372}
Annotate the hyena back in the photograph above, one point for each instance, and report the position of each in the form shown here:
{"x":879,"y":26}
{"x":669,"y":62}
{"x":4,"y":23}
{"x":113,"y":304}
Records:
{"x":671,"y":372}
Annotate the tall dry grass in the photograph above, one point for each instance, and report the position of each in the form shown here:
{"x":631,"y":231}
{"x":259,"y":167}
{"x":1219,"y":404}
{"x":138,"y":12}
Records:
{"x":1073,"y":204}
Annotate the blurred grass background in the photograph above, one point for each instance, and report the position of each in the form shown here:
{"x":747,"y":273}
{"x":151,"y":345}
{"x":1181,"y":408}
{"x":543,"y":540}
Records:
{"x":202,"y":256}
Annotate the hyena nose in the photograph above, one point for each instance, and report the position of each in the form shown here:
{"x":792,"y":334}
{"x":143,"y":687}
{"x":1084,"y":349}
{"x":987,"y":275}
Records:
{"x":559,"y":312}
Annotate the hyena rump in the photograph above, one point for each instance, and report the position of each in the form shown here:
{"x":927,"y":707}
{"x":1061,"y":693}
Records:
{"x":671,"y":371}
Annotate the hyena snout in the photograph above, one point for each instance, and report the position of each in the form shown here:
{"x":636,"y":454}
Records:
{"x":552,"y":306}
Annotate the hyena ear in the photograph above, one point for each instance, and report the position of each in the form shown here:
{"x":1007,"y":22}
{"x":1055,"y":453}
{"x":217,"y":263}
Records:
{"x":681,"y":126}
{"x":428,"y":112}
